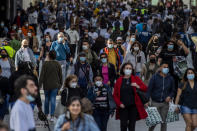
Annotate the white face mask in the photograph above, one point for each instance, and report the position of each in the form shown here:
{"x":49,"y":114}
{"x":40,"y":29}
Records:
{"x":73,"y":85}
{"x":98,"y":83}
{"x":110,"y":46}
{"x":29,"y":34}
{"x":127,"y":72}
{"x":136,"y":48}
{"x":85,"y":47}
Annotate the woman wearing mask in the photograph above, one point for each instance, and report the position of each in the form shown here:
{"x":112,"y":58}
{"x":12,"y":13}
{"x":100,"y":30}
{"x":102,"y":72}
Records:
{"x":127,"y":100}
{"x":20,"y":34}
{"x":107,"y":70}
{"x":51,"y":79}
{"x":7,"y":65}
{"x":186,"y":97}
{"x":172,"y":49}
{"x":71,"y":89}
{"x":46,"y":45}
{"x":74,"y":119}
{"x":102,"y":99}
{"x":150,"y":68}
{"x":136,"y":57}
{"x":131,"y":38}
{"x":153,"y":45}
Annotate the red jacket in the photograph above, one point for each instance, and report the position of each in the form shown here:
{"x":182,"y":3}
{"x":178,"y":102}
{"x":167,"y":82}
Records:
{"x":140,"y":107}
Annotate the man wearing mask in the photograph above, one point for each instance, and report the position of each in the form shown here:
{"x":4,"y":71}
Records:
{"x":161,"y":90}
{"x":62,"y":50}
{"x":21,"y":118}
{"x":83,"y":70}
{"x":25,"y":54}
{"x":33,"y":41}
{"x":74,"y":38}
{"x":3,"y":30}
{"x":119,"y":42}
{"x":26,"y":28}
{"x":113,"y":54}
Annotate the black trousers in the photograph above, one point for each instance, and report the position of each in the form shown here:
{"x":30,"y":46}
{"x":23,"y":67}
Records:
{"x":72,"y":49}
{"x":128,"y":117}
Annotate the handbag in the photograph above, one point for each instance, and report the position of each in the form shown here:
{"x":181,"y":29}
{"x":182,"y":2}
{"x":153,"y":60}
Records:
{"x":142,"y":96}
{"x":153,"y":118}
{"x":172,"y":116}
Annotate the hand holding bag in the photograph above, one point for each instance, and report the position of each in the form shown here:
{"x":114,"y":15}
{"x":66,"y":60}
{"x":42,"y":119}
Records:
{"x":153,"y":118}
{"x":172,"y":115}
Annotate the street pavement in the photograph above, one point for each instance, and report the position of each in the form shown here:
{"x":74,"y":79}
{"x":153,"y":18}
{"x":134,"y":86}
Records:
{"x":113,"y":125}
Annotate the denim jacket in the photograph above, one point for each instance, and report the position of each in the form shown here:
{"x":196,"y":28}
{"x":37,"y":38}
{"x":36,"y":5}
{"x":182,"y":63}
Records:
{"x":87,"y":123}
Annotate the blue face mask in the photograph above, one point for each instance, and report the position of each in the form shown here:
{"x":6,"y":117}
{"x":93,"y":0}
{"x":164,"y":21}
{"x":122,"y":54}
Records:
{"x":82,"y":59}
{"x":47,"y":39}
{"x":30,"y":98}
{"x":165,"y":70}
{"x":133,"y":39}
{"x":104,"y":60}
{"x":190,"y":76}
{"x":170,"y":47}
{"x":61,"y":39}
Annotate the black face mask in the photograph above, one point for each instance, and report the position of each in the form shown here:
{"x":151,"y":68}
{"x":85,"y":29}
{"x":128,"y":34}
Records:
{"x":3,"y":55}
{"x":119,"y":43}
{"x":153,"y":60}
{"x":25,"y":46}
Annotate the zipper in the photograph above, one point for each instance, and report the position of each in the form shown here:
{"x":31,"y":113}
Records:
{"x":162,"y":90}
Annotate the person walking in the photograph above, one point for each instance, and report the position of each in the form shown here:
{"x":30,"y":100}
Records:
{"x":127,"y":100}
{"x":161,"y":90}
{"x":51,"y":79}
{"x":83,"y":70}
{"x":21,"y":118}
{"x":70,"y":90}
{"x":186,"y":97}
{"x":74,"y":120}
{"x":101,"y":96}
{"x":62,"y":50}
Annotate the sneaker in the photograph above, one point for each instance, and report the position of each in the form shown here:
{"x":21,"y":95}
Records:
{"x":53,"y":119}
{"x":48,"y":117}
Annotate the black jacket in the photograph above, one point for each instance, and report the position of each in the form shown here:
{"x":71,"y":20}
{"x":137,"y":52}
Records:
{"x":4,"y":90}
{"x":67,"y":93}
{"x":111,"y":73}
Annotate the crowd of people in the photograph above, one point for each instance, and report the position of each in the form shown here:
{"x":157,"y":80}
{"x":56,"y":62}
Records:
{"x":98,"y":56}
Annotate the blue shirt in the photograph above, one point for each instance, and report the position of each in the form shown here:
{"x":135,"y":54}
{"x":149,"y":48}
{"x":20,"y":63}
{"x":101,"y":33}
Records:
{"x":61,"y":50}
{"x":139,"y":27}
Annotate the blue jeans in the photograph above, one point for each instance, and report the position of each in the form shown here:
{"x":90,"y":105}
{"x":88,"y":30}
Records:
{"x":101,"y":117}
{"x":50,"y":96}
{"x":3,"y":110}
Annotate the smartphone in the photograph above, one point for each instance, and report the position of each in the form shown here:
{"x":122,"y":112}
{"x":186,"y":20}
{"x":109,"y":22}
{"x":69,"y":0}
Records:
{"x":68,"y":115}
{"x":138,"y":59}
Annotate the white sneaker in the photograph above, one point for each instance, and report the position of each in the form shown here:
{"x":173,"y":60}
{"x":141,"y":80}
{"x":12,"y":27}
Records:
{"x":53,"y":119}
{"x":48,"y":117}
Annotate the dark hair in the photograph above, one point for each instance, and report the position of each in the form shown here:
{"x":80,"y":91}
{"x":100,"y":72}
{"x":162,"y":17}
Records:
{"x":52,"y":54}
{"x":136,"y":42}
{"x":68,"y":79}
{"x":164,"y":62}
{"x":72,"y":99}
{"x":3,"y":126}
{"x":5,"y":51}
{"x":103,"y":54}
{"x":185,"y":75}
{"x":123,"y":66}
{"x":20,"y":83}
